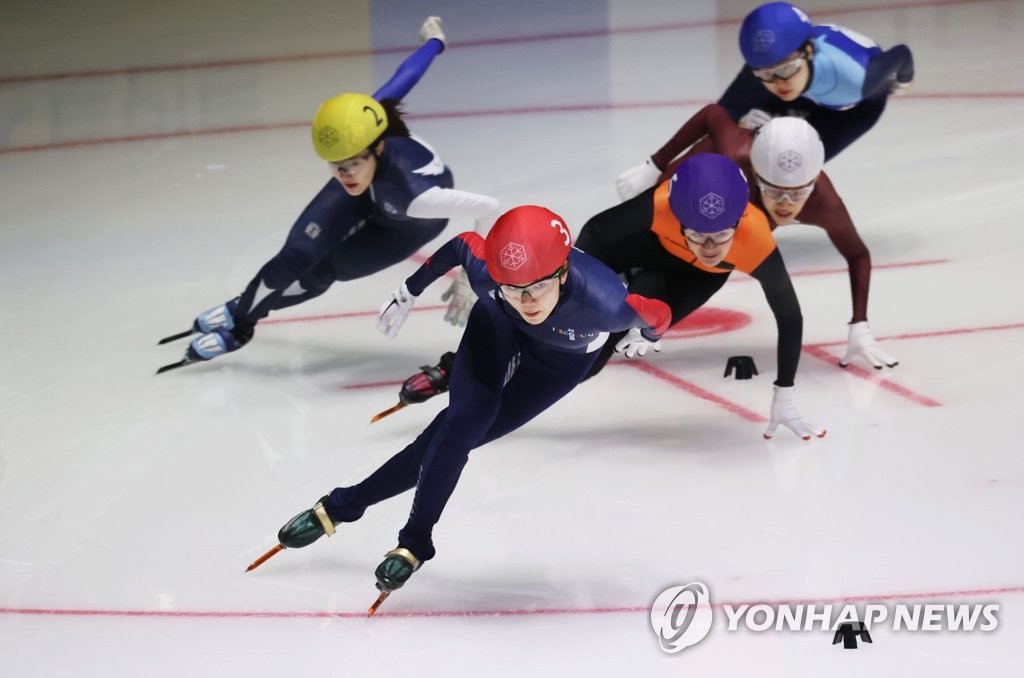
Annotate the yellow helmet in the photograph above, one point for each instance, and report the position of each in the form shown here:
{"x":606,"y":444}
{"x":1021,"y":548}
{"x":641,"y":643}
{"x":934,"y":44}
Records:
{"x":347,"y":124}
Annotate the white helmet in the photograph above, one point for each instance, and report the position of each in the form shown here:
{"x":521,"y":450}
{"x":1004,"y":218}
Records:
{"x":787,"y":152}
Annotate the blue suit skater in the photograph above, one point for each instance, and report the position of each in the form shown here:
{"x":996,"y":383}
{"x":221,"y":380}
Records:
{"x":544,"y":311}
{"x":837,"y":79}
{"x":390,"y":195}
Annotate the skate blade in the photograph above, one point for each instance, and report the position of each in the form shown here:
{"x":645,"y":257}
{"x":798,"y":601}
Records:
{"x":380,"y":599}
{"x":390,"y":410}
{"x":174,"y":366}
{"x":265,"y":557}
{"x":175,"y":337}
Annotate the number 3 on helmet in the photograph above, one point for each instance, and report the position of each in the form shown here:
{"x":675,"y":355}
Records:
{"x":526,"y":244}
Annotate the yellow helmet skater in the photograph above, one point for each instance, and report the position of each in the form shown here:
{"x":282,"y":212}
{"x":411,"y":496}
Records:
{"x":346,"y":125}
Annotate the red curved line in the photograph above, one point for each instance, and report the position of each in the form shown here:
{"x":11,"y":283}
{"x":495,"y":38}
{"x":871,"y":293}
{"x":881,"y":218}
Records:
{"x":533,"y":612}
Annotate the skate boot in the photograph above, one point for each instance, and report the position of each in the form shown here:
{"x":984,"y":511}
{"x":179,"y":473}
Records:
{"x":307,"y":527}
{"x":398,"y":565}
{"x":218,"y":342}
{"x":218,"y":316}
{"x":302,"y":530}
{"x":431,"y":381}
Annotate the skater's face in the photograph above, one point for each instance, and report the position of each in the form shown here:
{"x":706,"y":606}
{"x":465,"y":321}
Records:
{"x":536,"y":301}
{"x":788,"y":78}
{"x":355,"y":174}
{"x":710,"y":248}
{"x":784,"y":203}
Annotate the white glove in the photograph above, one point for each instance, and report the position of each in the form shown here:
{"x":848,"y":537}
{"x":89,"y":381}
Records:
{"x":636,"y":180}
{"x":754,"y":119}
{"x":431,"y":28}
{"x":635,"y":344}
{"x":896,"y":88}
{"x":862,"y":343}
{"x":395,"y":310}
{"x":462,"y":299}
{"x":784,"y":412}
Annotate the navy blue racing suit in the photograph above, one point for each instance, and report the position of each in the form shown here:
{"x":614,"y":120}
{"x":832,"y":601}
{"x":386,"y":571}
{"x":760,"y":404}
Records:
{"x":506,"y":372}
{"x":341,"y":237}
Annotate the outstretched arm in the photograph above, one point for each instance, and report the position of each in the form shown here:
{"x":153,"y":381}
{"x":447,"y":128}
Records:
{"x":415,"y":66}
{"x":465,"y":249}
{"x":710,"y":120}
{"x":705,"y":123}
{"x":778,"y":290}
{"x":826,"y":209}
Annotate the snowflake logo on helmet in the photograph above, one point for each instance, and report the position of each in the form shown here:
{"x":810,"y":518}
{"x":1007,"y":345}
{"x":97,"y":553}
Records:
{"x":790,"y":160}
{"x":327,"y":136}
{"x":711,"y":205}
{"x":763,"y":40}
{"x":513,"y":256}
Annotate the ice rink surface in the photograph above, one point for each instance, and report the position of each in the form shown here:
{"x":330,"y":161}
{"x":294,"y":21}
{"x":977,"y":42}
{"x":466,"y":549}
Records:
{"x":154,"y":155}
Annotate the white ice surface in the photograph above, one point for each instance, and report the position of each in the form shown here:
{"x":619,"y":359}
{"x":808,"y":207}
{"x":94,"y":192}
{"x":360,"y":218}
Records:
{"x":130,"y":504}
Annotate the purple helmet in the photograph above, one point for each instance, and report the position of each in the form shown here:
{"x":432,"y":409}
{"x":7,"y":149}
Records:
{"x":708,"y":193}
{"x":772,"y":32}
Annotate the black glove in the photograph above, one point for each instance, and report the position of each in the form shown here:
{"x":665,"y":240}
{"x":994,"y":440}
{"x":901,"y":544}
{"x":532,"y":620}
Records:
{"x":744,"y":364}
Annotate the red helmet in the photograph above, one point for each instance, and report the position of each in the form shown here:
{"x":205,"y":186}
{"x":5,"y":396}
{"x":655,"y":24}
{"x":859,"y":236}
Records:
{"x":526,"y":244}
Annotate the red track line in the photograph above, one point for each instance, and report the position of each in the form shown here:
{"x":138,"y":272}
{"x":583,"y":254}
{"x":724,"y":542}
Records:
{"x":373,"y":384}
{"x":224,"y":614}
{"x":874,"y":267}
{"x":856,"y":371}
{"x":693,"y":389}
{"x":441,"y":115}
{"x":830,"y":271}
{"x":336,"y":316}
{"x":935,"y":333}
{"x":969,"y":95}
{"x":159,"y":136}
{"x":664,"y":376}
{"x":444,"y":115}
{"x":818,"y":351}
{"x":451,"y":45}
{"x":419,"y":258}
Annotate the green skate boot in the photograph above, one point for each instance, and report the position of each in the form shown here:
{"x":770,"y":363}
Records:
{"x":393,"y":572}
{"x":302,"y":530}
{"x":307,"y":527}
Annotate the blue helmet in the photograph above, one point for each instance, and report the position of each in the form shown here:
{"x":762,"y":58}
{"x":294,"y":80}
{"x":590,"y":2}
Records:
{"x":708,"y":193}
{"x":772,"y":32}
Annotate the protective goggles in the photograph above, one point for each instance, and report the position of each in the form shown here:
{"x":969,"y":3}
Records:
{"x":793,"y":195}
{"x":719,"y":237}
{"x":783,"y":71}
{"x":351,"y":165}
{"x":534,"y":289}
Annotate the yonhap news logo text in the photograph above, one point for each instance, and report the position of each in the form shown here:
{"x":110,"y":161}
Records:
{"x":682,"y":616}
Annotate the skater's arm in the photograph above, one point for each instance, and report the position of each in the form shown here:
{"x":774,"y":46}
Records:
{"x":701,"y":124}
{"x":778,"y":290}
{"x":315,"y":233}
{"x":450,"y":203}
{"x":410,"y":71}
{"x":827,"y":210}
{"x":465,"y":249}
{"x":652,"y":316}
